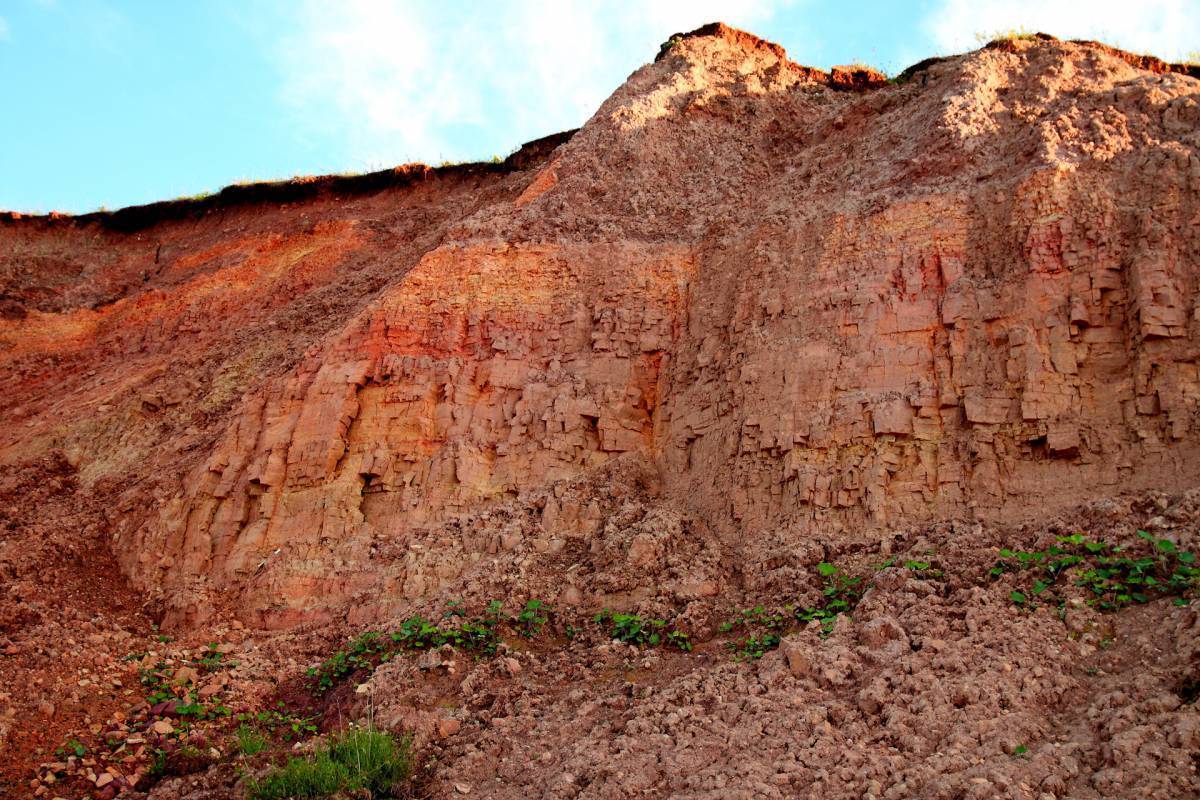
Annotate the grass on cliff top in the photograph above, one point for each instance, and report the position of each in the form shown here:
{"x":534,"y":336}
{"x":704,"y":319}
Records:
{"x":1004,"y":35}
{"x":358,"y":762}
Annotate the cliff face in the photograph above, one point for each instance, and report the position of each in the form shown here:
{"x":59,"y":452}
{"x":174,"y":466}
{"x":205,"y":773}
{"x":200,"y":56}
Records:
{"x":964,"y":295}
{"x":750,"y":323}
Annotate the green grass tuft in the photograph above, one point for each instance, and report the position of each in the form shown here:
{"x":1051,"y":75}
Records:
{"x":355,"y":761}
{"x":250,"y":740}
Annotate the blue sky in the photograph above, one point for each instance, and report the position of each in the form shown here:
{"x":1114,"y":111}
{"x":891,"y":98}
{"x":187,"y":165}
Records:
{"x":116,"y":102}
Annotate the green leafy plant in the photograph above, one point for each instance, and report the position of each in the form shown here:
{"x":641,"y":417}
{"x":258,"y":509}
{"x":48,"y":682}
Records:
{"x":531,"y":618}
{"x":840,"y":593}
{"x":632,"y":629}
{"x":680,"y":640}
{"x":1113,"y":577}
{"x":212,"y":659}
{"x":158,"y":764}
{"x":73,"y":747}
{"x":479,"y":635}
{"x":161,"y":687}
{"x":924,"y":569}
{"x":754,"y":617}
{"x":156,"y":681}
{"x":281,"y":722}
{"x":355,"y":762}
{"x":755,"y":647}
{"x":635,"y":630}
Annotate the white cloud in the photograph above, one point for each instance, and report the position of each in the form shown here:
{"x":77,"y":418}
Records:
{"x":431,"y":80}
{"x":4,"y":30}
{"x":1166,"y":28}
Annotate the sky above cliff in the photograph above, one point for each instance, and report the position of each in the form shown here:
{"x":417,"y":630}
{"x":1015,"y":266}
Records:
{"x":109,"y":103}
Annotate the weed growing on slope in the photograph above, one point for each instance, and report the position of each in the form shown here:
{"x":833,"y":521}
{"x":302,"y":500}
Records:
{"x":162,"y":686}
{"x":282,"y":723}
{"x":250,"y":740}
{"x":73,"y":747}
{"x":531,"y":619}
{"x":1114,"y":578}
{"x":479,"y":635}
{"x":635,"y":630}
{"x":840,"y":593}
{"x":213,"y":660}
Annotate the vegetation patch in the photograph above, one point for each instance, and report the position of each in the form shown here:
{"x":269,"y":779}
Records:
{"x":1113,"y":578}
{"x":250,"y":740}
{"x":279,"y":722}
{"x":632,"y":629}
{"x":840,"y":594}
{"x":358,"y":762}
{"x":480,"y":635}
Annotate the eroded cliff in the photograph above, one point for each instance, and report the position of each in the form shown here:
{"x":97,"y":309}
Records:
{"x":809,"y":309}
{"x":747,"y":310}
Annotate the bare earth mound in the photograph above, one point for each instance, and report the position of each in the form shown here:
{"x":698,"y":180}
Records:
{"x":777,"y":433}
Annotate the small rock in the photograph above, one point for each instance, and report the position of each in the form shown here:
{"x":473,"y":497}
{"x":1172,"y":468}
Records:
{"x":185,"y":675}
{"x":880,"y":631}
{"x":162,"y":727}
{"x":462,"y":788}
{"x":798,"y":659}
{"x":891,"y":579}
{"x":512,"y":666}
{"x":448,"y":727}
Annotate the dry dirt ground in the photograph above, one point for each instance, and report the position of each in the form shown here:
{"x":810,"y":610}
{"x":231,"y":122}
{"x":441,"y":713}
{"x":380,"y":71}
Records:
{"x":936,"y":685}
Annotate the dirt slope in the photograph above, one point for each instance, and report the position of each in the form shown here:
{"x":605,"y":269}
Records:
{"x":750,"y":319}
